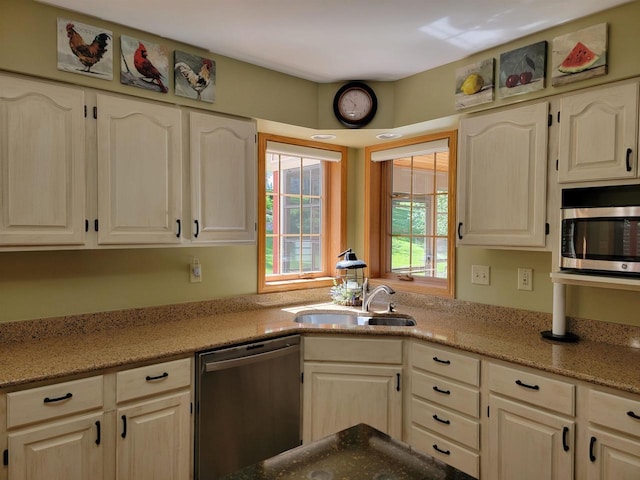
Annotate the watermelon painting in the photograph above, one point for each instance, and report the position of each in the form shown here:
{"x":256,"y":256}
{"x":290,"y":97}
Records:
{"x":579,"y":55}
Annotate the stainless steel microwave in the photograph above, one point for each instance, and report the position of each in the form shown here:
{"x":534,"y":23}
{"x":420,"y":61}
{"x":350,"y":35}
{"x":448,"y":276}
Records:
{"x":601,"y":239}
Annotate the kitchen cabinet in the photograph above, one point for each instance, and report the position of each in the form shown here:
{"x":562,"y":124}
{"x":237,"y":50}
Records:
{"x":599,"y":134}
{"x":531,"y":425}
{"x":139,"y":155}
{"x":350,"y":380}
{"x":223,"y":167}
{"x":42,"y":163}
{"x":612,"y":436}
{"x":502,"y":178}
{"x":154,"y":440}
{"x":445,"y":406}
{"x":57,"y":431}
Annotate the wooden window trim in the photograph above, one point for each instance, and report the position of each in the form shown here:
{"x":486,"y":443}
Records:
{"x":334,"y":221}
{"x":375,"y":219}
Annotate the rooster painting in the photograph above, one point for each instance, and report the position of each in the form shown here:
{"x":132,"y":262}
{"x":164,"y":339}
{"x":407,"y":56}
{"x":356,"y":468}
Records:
{"x":195,"y":77}
{"x":83,"y":49}
{"x":144,"y":64}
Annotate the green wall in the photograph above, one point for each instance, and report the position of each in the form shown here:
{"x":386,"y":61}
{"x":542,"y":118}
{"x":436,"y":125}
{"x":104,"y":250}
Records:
{"x":51,"y":283}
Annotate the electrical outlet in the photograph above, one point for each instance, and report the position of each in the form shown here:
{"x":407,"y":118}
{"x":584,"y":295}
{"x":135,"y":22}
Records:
{"x":525,"y":279}
{"x":195,"y":271}
{"x":480,"y":274}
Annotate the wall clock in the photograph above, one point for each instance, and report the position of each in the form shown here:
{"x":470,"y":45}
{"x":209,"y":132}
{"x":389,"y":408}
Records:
{"x":355,"y":104}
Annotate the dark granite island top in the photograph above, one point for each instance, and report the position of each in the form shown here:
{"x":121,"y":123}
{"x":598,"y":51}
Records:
{"x":357,"y":453}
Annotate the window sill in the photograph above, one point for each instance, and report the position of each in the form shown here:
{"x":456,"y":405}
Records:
{"x":439,"y":289}
{"x":300,"y":284}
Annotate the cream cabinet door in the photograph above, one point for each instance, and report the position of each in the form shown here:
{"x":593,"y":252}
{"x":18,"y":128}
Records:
{"x":154,"y":439}
{"x":599,"y":134}
{"x":338,"y":396}
{"x":502,"y":178}
{"x":70,"y":449}
{"x":42,"y":163}
{"x":139,"y":172}
{"x":223,"y":179}
{"x":527,"y":443}
{"x":612,"y":457}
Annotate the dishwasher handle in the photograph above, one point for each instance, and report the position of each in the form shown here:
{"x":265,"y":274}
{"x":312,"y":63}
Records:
{"x":247,"y":360}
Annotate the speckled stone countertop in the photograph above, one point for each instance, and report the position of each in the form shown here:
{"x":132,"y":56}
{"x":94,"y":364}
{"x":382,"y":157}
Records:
{"x":43,"y":350}
{"x":359,"y":452}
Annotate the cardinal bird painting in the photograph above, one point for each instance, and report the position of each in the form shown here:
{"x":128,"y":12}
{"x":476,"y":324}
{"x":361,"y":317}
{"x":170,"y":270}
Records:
{"x":195,"y":76}
{"x":144,"y":64}
{"x":84,"y":49}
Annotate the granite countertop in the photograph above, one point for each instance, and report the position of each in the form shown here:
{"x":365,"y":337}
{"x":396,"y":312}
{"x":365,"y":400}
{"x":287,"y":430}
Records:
{"x":358,"y":452}
{"x":48,"y":349}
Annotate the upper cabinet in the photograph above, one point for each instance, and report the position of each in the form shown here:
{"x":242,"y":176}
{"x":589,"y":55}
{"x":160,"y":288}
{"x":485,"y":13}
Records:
{"x":223,"y":179}
{"x":599,"y":134}
{"x":502,"y":178}
{"x":139,"y":172}
{"x":42,"y":163}
{"x":115,"y":177}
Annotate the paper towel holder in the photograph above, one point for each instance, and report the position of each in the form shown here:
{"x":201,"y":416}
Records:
{"x":559,"y":328}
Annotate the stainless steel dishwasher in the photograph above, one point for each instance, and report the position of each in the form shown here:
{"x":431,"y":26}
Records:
{"x":248,"y":405}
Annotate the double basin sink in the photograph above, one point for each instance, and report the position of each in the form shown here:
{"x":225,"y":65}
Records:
{"x":354,"y":319}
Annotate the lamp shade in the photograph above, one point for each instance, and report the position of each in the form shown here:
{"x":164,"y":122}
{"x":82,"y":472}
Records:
{"x":349,"y":261}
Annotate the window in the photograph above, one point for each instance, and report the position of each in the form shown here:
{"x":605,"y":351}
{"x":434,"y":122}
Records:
{"x":410,"y":192}
{"x":301,"y":221}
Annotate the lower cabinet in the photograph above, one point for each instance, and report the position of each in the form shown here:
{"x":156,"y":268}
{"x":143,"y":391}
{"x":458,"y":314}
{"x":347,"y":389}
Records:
{"x":531,"y":425}
{"x":134,"y":424}
{"x":348,"y":381}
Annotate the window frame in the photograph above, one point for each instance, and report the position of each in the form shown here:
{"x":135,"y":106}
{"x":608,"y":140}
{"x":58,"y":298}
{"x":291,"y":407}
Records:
{"x":376,"y":219}
{"x":334,"y":218}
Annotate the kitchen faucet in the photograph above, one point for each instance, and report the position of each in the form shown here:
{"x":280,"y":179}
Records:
{"x":367,"y":298}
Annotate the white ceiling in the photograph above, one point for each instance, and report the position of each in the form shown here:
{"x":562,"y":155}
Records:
{"x":336,"y":40}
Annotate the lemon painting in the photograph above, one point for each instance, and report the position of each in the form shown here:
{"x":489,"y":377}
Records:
{"x":474,"y":84}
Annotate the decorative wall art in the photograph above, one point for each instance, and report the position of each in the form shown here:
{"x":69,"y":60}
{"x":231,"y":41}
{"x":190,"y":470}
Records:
{"x":144,"y":64}
{"x":579,"y":55}
{"x":84,"y":49}
{"x":195,"y":76}
{"x":474,"y":84}
{"x":523,"y":70}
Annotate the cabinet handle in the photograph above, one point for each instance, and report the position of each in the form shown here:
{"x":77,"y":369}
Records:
{"x":632,"y":414}
{"x":98,"y":432}
{"x":124,"y":426}
{"x":179,"y":228}
{"x":459,"y":233}
{"x":58,"y":399}
{"x":446,"y":362}
{"x":197,"y":228}
{"x":157,"y":377}
{"x":446,"y":392}
{"x":446,"y":452}
{"x":592,"y":443}
{"x":629,"y":151}
{"x":438,"y":419}
{"x":565,"y":433}
{"x":397,"y":382}
{"x":532,"y":387}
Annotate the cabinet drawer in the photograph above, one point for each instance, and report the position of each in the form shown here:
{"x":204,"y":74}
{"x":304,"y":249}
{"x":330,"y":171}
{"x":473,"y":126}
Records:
{"x":553,"y":394}
{"x":152,"y":379}
{"x":449,"y":394}
{"x":446,"y":423}
{"x":52,"y":401}
{"x":361,"y":350}
{"x":446,"y":363}
{"x":448,"y":452}
{"x":615,"y":412}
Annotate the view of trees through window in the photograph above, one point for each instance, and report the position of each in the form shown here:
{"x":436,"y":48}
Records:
{"x":418,"y":206}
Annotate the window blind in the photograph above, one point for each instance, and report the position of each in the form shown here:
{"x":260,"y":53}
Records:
{"x":405,"y":151}
{"x":302,"y":151}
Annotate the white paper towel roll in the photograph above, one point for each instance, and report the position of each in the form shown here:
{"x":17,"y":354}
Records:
{"x":559,"y":326}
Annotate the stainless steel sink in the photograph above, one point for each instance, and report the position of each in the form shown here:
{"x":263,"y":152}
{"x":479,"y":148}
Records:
{"x":352,"y":318}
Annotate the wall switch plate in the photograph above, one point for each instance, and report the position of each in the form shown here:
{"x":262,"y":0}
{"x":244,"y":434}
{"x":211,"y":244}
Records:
{"x":195,"y":271}
{"x":480,"y":274}
{"x":525,"y":279}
